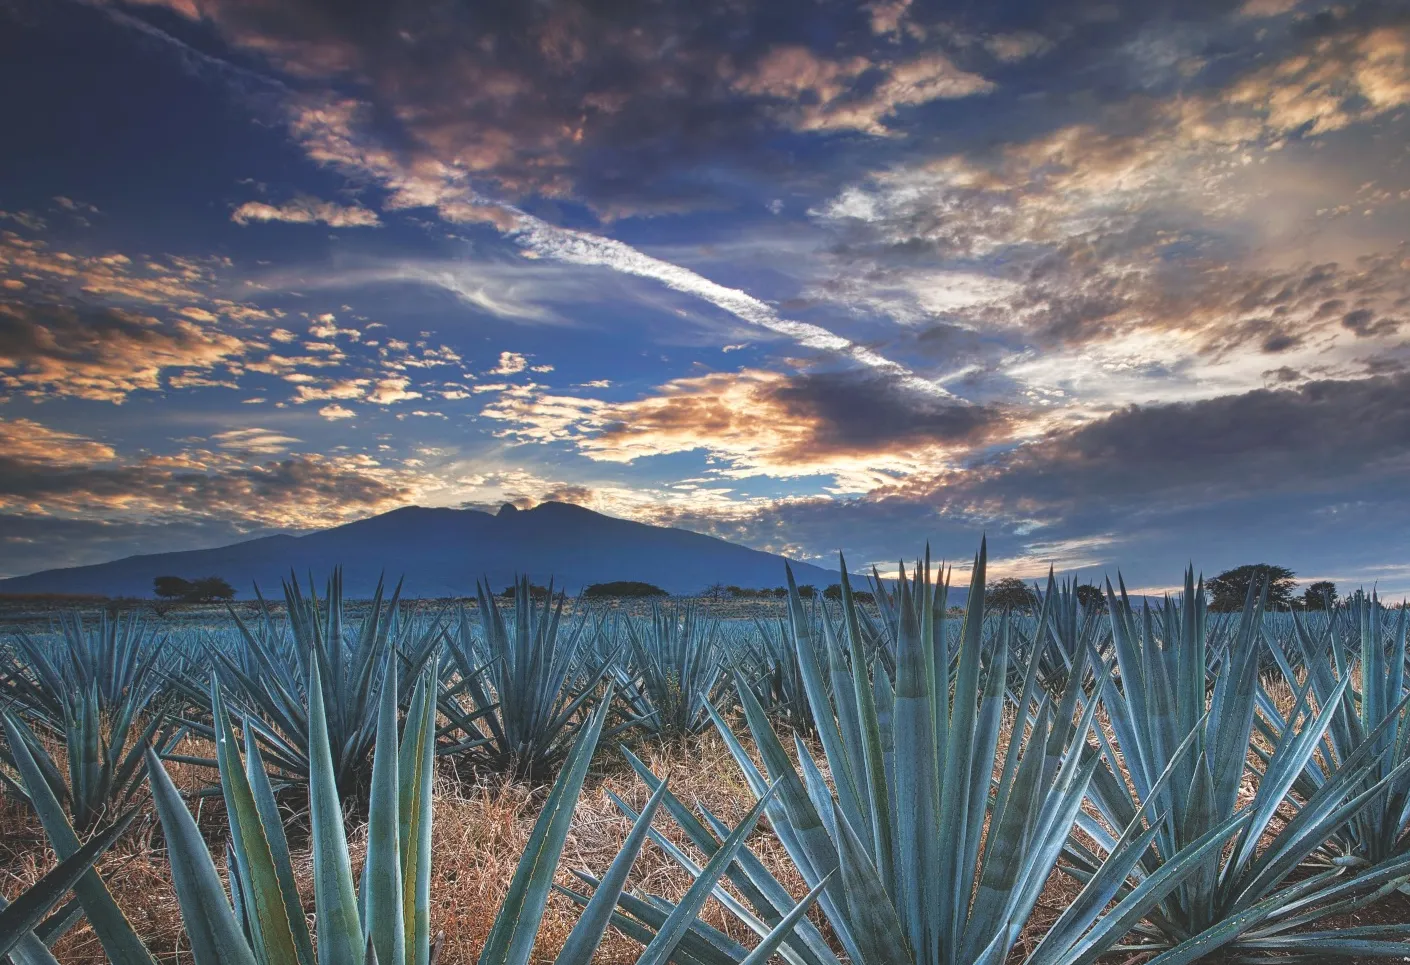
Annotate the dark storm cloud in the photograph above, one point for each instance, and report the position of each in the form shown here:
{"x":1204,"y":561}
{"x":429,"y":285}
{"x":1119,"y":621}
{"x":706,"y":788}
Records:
{"x":1267,"y":440}
{"x":870,"y":412}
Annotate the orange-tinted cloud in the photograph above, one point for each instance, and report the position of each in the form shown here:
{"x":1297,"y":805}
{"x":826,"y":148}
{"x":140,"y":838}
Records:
{"x":103,"y":354}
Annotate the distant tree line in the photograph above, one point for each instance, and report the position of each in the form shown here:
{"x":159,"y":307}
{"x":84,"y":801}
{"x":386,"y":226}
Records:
{"x":1225,"y":593}
{"x":721,"y":591}
{"x":623,"y":588}
{"x":207,"y":589}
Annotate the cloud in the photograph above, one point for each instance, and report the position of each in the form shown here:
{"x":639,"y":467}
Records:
{"x":1308,"y":476}
{"x":581,"y":248}
{"x":83,"y":479}
{"x":863,"y":428}
{"x":334,"y":412}
{"x":102,"y":354}
{"x":510,"y":363}
{"x":32,"y":443}
{"x":264,"y":442}
{"x":821,"y":94}
{"x":392,"y":390}
{"x":307,"y":211}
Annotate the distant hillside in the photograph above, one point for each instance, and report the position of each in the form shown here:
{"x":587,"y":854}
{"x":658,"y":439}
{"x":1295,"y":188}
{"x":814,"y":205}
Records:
{"x":442,"y":552}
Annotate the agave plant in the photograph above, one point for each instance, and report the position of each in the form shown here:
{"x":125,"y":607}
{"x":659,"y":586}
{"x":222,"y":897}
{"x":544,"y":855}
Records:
{"x":676,"y":666}
{"x":388,"y":922}
{"x":1167,"y":719}
{"x":1064,"y":629}
{"x":120,"y":943}
{"x":676,"y":931}
{"x":98,"y":693}
{"x":523,"y":688}
{"x":899,"y":855}
{"x":269,"y":674}
{"x":25,"y":924}
{"x":776,"y":678}
{"x":1356,"y":642}
{"x":119,"y":658}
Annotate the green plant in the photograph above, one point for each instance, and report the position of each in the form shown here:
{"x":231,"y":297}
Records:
{"x":388,"y":922}
{"x":675,"y":667}
{"x":905,"y":871}
{"x":120,"y":943}
{"x":97,"y":691}
{"x":1068,"y":625}
{"x":776,"y":678}
{"x":623,"y":588}
{"x":1360,"y":641}
{"x":269,"y":676}
{"x":21,"y":919}
{"x":523,"y":688}
{"x":1186,"y":705}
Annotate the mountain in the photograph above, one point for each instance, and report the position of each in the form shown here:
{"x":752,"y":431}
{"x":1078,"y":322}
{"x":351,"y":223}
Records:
{"x":442,"y":552}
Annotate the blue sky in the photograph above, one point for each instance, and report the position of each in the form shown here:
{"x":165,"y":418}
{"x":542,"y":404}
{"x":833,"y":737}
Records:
{"x":1121,"y":285}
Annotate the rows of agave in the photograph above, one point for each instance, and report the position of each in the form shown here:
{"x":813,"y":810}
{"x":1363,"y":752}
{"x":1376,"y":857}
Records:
{"x":1149,"y":760}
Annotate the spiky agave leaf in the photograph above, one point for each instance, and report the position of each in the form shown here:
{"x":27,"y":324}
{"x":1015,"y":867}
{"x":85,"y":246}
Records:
{"x":19,"y":918}
{"x":898,"y":854}
{"x":1236,"y":898}
{"x":119,"y":940}
{"x":266,"y":671}
{"x":267,"y":925}
{"x":98,"y":690}
{"x":525,"y":685}
{"x":675,"y":666}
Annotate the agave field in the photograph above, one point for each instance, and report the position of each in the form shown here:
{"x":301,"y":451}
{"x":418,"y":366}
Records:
{"x":898,"y":782}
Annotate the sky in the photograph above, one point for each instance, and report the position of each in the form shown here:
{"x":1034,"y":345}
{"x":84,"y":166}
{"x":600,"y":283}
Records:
{"x":1120,"y":285}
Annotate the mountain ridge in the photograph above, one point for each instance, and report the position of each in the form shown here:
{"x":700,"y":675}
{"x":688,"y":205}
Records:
{"x":441,"y":551}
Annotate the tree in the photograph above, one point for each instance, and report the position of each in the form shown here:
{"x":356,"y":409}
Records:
{"x":623,"y":588}
{"x":833,"y":592}
{"x":1091,"y":597}
{"x":1321,"y":595}
{"x":208,"y":589}
{"x":1229,"y":589}
{"x":1010,"y":593}
{"x":211,"y":589}
{"x":172,"y":587}
{"x":715,"y":591}
{"x":807,"y":591}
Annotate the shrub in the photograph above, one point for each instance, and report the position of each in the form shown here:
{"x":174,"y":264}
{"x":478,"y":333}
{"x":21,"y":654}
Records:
{"x":208,"y":589}
{"x":623,"y":588}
